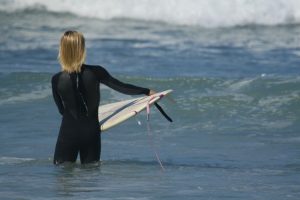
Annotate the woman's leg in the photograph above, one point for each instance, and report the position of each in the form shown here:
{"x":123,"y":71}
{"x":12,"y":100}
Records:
{"x":65,"y":152}
{"x":90,"y":151}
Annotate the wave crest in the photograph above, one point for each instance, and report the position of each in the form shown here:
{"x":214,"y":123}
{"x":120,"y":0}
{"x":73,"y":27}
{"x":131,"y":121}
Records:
{"x":205,"y":13}
{"x":14,"y":160}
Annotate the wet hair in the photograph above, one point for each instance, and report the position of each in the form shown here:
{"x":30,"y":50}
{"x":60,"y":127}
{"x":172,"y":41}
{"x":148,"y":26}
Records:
{"x":72,"y":51}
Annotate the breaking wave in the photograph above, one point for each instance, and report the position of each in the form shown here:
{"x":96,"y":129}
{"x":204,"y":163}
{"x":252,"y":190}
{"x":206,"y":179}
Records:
{"x":205,"y":13}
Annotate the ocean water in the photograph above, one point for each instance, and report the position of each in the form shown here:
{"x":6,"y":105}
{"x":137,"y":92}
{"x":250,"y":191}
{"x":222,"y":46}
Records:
{"x":233,"y":66}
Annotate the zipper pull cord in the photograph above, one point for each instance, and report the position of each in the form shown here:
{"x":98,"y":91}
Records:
{"x":84,"y":103}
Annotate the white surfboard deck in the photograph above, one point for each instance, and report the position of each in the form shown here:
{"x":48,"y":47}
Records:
{"x":114,"y":113}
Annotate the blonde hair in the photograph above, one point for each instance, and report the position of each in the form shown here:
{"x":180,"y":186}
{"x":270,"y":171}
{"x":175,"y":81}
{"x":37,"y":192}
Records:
{"x":72,"y":51}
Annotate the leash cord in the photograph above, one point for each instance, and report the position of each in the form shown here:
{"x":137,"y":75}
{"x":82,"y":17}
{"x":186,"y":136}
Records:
{"x":151,"y":140}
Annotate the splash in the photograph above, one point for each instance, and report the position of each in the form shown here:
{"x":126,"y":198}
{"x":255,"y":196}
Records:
{"x":204,"y":13}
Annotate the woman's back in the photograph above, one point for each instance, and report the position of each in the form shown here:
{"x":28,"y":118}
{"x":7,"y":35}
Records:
{"x":78,"y":93}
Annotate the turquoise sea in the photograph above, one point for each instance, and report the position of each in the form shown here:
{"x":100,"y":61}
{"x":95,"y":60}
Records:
{"x":234,"y":67}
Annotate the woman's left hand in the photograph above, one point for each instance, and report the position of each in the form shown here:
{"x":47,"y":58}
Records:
{"x":151,"y":92}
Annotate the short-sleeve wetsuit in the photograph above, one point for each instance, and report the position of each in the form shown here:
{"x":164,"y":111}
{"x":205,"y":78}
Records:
{"x":77,"y":96}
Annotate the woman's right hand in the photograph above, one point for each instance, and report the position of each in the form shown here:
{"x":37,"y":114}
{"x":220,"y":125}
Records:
{"x":151,"y":92}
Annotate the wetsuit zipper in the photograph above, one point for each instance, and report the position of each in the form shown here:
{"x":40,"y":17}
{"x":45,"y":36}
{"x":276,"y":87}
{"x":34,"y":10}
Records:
{"x":81,"y":96}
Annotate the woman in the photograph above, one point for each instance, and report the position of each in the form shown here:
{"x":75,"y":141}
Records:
{"x":76,"y":93}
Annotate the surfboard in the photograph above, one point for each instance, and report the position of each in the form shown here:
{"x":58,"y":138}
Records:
{"x":113,"y":114}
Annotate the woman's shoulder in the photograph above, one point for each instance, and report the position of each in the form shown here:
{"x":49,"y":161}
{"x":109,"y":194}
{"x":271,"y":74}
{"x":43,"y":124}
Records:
{"x":96,"y":69}
{"x":93,"y":67}
{"x":56,"y":76}
{"x":59,"y":75}
{"x":100,"y":72}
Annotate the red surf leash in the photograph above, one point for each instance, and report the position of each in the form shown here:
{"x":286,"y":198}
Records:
{"x":149,"y":128}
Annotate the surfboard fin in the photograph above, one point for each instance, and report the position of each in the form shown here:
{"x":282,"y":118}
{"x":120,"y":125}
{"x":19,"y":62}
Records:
{"x":163,"y":112}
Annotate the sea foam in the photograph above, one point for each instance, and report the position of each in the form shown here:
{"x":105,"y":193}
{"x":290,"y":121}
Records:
{"x":204,"y":13}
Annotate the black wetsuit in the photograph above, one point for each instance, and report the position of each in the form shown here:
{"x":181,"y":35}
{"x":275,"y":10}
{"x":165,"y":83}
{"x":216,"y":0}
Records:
{"x":77,"y":97}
